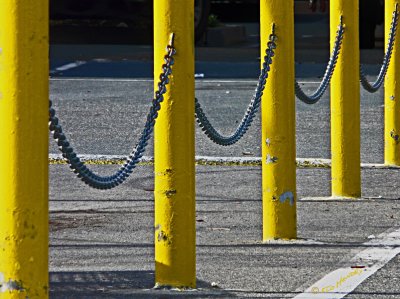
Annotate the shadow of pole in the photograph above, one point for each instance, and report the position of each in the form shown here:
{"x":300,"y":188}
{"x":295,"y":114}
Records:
{"x":122,"y":284}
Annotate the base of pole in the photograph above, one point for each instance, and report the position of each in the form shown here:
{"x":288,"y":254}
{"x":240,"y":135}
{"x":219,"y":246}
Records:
{"x":298,"y":241}
{"x":165,"y":287}
{"x":391,"y":166}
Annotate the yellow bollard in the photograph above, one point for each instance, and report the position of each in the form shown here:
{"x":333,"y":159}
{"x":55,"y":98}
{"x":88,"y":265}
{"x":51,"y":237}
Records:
{"x":24,"y":110}
{"x":175,"y":231}
{"x":345,"y":103}
{"x":278,"y":124}
{"x":392,"y":94}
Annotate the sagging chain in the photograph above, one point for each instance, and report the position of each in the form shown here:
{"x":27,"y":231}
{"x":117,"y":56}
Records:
{"x":374,"y":87}
{"x":316,"y":96}
{"x":108,"y":182}
{"x":248,"y":117}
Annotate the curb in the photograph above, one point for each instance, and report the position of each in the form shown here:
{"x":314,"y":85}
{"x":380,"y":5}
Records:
{"x":55,"y":159}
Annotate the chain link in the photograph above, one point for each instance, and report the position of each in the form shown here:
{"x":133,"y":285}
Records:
{"x":108,"y":182}
{"x":374,"y":87}
{"x":248,"y":117}
{"x":316,"y":96}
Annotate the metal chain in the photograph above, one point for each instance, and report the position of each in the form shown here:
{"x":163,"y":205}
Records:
{"x":247,"y":119}
{"x":316,"y":96}
{"x":374,"y":87}
{"x":108,"y":182}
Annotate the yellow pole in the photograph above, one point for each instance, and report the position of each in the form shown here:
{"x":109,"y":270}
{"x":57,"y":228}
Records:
{"x":278,"y":124}
{"x":24,"y":149}
{"x":175,"y":231}
{"x":345,"y":103}
{"x":392,"y":94}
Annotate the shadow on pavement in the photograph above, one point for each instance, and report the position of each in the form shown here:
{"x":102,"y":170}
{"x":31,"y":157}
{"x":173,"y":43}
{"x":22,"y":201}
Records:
{"x":121,"y":284}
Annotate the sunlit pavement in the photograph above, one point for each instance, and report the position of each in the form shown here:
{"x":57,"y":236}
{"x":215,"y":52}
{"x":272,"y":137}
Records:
{"x":101,"y":243}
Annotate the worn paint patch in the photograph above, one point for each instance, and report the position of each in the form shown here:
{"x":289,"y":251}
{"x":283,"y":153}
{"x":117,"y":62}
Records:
{"x":170,"y":192}
{"x":169,"y":171}
{"x":395,"y":136}
{"x":287,"y":196}
{"x":271,"y":159}
{"x":10,"y":285}
{"x":163,"y":237}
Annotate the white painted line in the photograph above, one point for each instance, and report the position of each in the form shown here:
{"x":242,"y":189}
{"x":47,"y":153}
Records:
{"x":301,"y":162}
{"x":343,"y":281}
{"x":68,"y":66}
{"x":151,"y":80}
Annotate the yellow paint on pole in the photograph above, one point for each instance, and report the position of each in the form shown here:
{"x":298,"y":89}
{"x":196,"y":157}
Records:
{"x":278,"y":124}
{"x":392,"y":93}
{"x":24,"y":149}
{"x":345,"y":103}
{"x":175,"y":231}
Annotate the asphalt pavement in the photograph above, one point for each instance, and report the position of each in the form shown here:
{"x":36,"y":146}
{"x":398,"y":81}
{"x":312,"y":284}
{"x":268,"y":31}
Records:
{"x":101,"y":242}
{"x":106,"y":116}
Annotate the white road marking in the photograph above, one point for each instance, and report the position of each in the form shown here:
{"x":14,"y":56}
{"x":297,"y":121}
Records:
{"x":343,"y":281}
{"x":151,"y":80}
{"x":68,"y":66}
